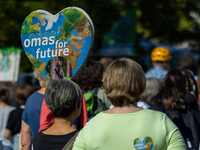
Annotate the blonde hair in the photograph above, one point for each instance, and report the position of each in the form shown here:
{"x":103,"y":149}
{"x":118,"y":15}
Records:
{"x":42,"y":80}
{"x":124,"y":81}
{"x":151,"y":90}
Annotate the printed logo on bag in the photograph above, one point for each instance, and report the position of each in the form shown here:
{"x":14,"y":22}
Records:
{"x":57,"y":45}
{"x":143,"y":143}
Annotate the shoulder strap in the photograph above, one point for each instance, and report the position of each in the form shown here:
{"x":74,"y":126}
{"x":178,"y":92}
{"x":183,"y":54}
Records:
{"x":70,"y":143}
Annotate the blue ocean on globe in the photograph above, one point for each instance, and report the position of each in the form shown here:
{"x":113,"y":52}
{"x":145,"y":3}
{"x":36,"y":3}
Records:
{"x":54,"y":31}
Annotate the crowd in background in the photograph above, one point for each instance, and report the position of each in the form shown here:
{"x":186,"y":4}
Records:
{"x":54,"y":114}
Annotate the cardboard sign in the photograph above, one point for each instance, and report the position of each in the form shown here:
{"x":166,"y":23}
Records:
{"x":57,"y":45}
{"x":9,"y":64}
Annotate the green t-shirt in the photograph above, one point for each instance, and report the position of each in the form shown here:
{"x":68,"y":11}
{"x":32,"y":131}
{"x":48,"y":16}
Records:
{"x":143,"y":130}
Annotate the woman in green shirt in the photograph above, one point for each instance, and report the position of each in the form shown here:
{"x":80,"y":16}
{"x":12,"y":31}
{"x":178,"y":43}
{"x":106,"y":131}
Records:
{"x":126,"y":126}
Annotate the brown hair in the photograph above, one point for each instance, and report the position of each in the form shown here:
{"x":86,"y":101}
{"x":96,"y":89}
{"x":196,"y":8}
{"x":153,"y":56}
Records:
{"x":4,"y":94}
{"x":22,"y":93}
{"x":106,"y":61}
{"x":124,"y":81}
{"x":90,"y":76}
{"x":187,"y":62}
{"x":172,"y":92}
{"x":42,"y":80}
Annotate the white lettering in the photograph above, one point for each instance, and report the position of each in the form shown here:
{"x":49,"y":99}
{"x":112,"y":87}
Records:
{"x":44,"y":56}
{"x":36,"y":40}
{"x":66,"y":52}
{"x":60,"y":51}
{"x":44,"y":41}
{"x":27,"y":45}
{"x":48,"y":50}
{"x":60,"y":44}
{"x":54,"y":54}
{"x":51,"y":39}
{"x":65,"y":44}
{"x":37,"y":52}
{"x":57,"y":43}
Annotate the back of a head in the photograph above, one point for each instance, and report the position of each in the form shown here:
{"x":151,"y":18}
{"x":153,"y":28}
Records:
{"x":174,"y":78}
{"x":42,"y":80}
{"x":22,"y":93}
{"x":124,"y":81}
{"x":151,"y":90}
{"x":172,"y":91}
{"x":61,"y":96}
{"x":106,"y":61}
{"x":4,"y":94}
{"x":187,"y":62}
{"x":90,"y":76}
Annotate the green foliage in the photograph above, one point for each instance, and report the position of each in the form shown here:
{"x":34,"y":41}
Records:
{"x":10,"y":50}
{"x":168,"y":21}
{"x":48,"y":76}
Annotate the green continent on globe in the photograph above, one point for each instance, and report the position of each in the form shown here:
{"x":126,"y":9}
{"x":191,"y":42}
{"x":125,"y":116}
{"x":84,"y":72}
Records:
{"x":36,"y":63}
{"x":74,"y":19}
{"x":28,"y":27}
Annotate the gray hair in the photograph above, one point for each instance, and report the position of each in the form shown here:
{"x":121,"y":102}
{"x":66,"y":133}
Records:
{"x":42,"y":80}
{"x":61,"y":96}
{"x":151,"y":90}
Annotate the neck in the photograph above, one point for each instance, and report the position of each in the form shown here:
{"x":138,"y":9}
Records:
{"x":22,"y":106}
{"x":42,"y":90}
{"x":124,"y":109}
{"x":60,"y":127}
{"x":2,"y":104}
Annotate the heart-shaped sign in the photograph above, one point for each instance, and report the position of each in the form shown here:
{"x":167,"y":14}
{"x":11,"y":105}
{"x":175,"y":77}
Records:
{"x":143,"y":143}
{"x":57,"y":45}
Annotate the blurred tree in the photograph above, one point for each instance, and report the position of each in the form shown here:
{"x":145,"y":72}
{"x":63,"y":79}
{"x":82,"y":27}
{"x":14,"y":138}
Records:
{"x":169,"y":21}
{"x":165,"y":20}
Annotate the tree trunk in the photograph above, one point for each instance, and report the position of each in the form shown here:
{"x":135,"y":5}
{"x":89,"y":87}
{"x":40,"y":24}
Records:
{"x":52,"y":70}
{"x":68,"y":69}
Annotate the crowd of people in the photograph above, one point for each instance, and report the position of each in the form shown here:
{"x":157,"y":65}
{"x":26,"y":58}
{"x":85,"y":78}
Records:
{"x":109,"y":104}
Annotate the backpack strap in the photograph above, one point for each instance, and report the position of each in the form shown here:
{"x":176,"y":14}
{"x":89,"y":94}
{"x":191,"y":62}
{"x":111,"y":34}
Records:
{"x":70,"y":143}
{"x":99,"y":100}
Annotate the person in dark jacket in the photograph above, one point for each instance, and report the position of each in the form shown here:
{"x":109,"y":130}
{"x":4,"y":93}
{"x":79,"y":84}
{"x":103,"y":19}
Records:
{"x":178,"y":103}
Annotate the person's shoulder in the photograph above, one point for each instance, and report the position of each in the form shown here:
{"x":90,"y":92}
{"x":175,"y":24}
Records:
{"x":34,"y":96}
{"x":95,"y":120}
{"x":13,"y":111}
{"x":190,"y":98}
{"x":150,"y":71}
{"x":37,"y":136}
{"x":9,"y":107}
{"x":155,"y":114}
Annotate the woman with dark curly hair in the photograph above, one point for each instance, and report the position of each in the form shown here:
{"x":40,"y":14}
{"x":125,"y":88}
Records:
{"x":126,"y":126}
{"x":172,"y":92}
{"x":174,"y":100}
{"x":89,"y":78}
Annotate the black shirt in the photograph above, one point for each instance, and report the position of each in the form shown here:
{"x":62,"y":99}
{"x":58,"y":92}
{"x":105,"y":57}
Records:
{"x":51,"y":142}
{"x":14,"y":121}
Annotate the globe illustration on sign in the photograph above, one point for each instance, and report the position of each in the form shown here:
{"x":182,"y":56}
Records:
{"x":68,"y":34}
